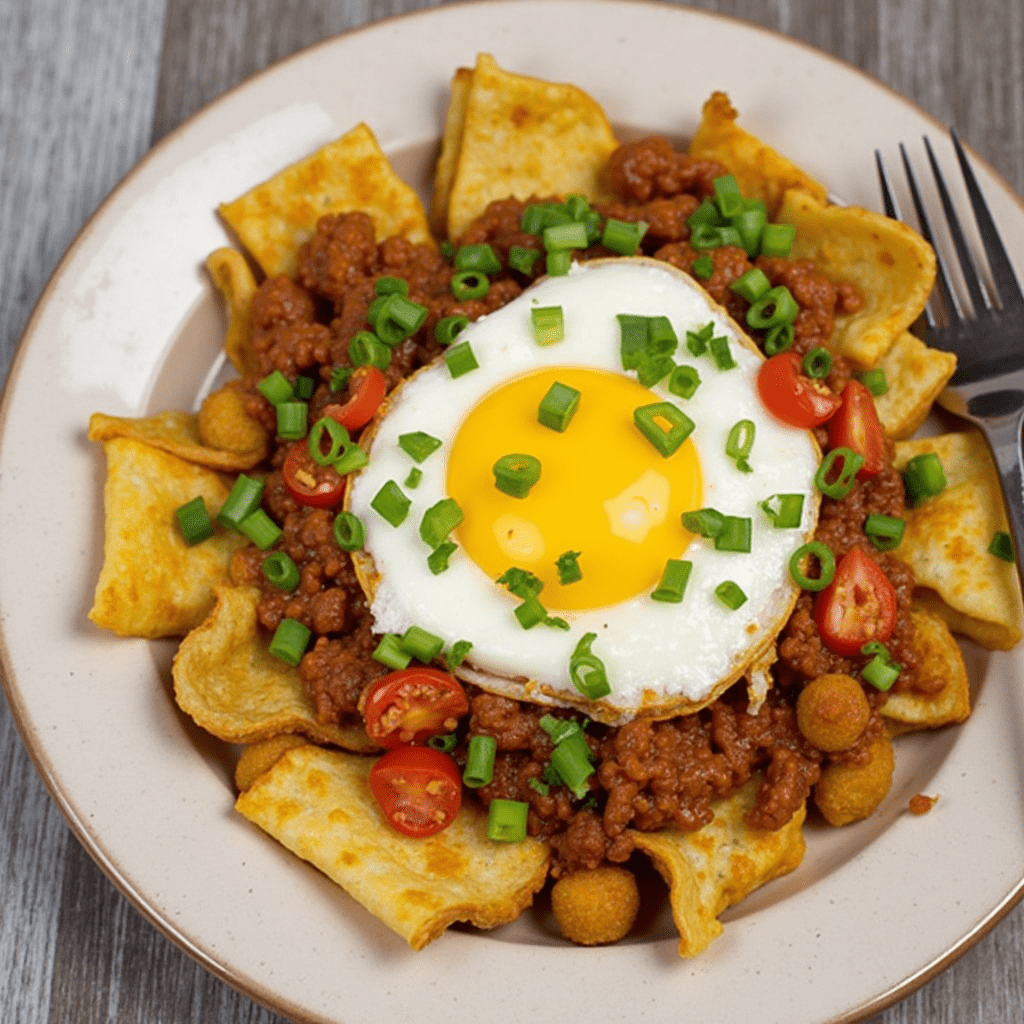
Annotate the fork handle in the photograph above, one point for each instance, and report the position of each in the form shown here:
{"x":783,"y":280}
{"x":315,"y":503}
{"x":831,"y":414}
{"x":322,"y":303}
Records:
{"x":1004,"y":437}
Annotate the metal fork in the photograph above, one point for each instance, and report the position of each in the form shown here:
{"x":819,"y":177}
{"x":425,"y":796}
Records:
{"x":988,"y":339}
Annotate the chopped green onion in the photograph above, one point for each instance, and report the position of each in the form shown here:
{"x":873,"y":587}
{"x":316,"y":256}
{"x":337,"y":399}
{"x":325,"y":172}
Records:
{"x":587,"y":671}
{"x":653,"y":369}
{"x":705,"y":522}
{"x":558,"y":262}
{"x":439,"y":520}
{"x":843,"y":483}
{"x":826,"y":565}
{"x":661,"y":336}
{"x":684,"y":381}
{"x":304,"y":387}
{"x":349,"y":532}
{"x":784,"y":511}
{"x":721,"y":354}
{"x":418,"y":444}
{"x":1002,"y":546}
{"x":697,"y":341}
{"x":338,"y":436}
{"x":352,"y":458}
{"x":391,"y":504}
{"x":708,"y":237}
{"x":776,"y":306}
{"x":480,"y":258}
{"x":531,"y":612}
{"x":456,"y":654}
{"x":706,"y":214}
{"x":924,"y":477}
{"x":506,"y":820}
{"x":674,"y":578}
{"x":565,"y":236}
{"x":739,"y":443}
{"x":398,"y":318}
{"x":446,"y":743}
{"x":548,"y":324}
{"x":280,"y":571}
{"x":260,"y":529}
{"x":522,"y":259}
{"x":817,"y":363}
{"x":731,"y":595}
{"x":750,"y":224}
{"x":520,"y":582}
{"x":568,"y":567}
{"x":276,"y":388}
{"x":703,"y":267}
{"x":622,"y":236}
{"x":437,"y":560}
{"x":447,"y":250}
{"x":413,"y":478}
{"x":875,"y":381}
{"x":515,"y":474}
{"x":469,"y":284}
{"x":735,"y":534}
{"x":576,"y":206}
{"x":421,"y":645}
{"x":292,"y":420}
{"x":664,"y":425}
{"x":881,"y":671}
{"x":728,"y":196}
{"x":340,"y":376}
{"x":633,"y":334}
{"x":460,"y":359}
{"x":558,"y":406}
{"x":390,"y":652}
{"x":777,"y":239}
{"x":480,"y":761}
{"x":751,"y":285}
{"x":391,"y":285}
{"x":194,"y":521}
{"x":884,"y":532}
{"x":366,"y":349}
{"x":448,"y":328}
{"x":571,"y":760}
{"x":559,"y":729}
{"x":244,"y":498}
{"x":779,"y":338}
{"x":538,"y":787}
{"x":289,"y":641}
{"x":532,"y":220}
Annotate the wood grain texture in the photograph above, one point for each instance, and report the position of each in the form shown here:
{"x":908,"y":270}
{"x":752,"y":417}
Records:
{"x":85,"y":87}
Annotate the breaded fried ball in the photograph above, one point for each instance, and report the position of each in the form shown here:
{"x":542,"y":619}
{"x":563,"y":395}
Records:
{"x":597,"y":906}
{"x":224,"y":424}
{"x":848,"y":792}
{"x":832,"y":712}
{"x":260,"y":757}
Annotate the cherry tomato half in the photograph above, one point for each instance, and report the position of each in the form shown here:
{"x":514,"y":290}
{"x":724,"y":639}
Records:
{"x":418,"y":789}
{"x":308,"y":482}
{"x":790,"y":396}
{"x":857,"y":606}
{"x":411,"y":705}
{"x":366,"y":389}
{"x":856,"y":426}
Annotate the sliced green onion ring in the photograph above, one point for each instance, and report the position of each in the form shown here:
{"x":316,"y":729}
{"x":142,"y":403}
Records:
{"x":280,"y":571}
{"x":664,"y":425}
{"x":817,"y":363}
{"x":820,"y":551}
{"x":884,"y":532}
{"x":515,"y":474}
{"x":289,"y":641}
{"x":841,"y":486}
{"x":469,"y":284}
{"x":784,"y":511}
{"x":587,"y":671}
{"x":349,"y":532}
{"x":194,"y":521}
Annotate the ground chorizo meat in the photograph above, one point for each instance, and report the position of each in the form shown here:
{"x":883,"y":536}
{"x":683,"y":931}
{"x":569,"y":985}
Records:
{"x":650,"y":168}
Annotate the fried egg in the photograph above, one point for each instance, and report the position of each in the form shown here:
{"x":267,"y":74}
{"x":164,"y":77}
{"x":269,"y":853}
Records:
{"x":605,"y":494}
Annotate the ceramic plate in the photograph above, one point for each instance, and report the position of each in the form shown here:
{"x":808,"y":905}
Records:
{"x":129,"y":325}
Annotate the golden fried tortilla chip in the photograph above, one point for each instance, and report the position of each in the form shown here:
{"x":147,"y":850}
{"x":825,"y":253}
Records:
{"x":939,"y":659}
{"x":231,"y":274}
{"x":152,"y":583}
{"x":891,"y":265}
{"x":719,"y":864}
{"x":916,"y":375}
{"x":176,"y":433}
{"x":318,"y":804}
{"x":228,"y":682}
{"x":524,"y":137}
{"x":760,"y":171}
{"x":947,"y":537}
{"x":351,"y":173}
{"x":451,"y":141}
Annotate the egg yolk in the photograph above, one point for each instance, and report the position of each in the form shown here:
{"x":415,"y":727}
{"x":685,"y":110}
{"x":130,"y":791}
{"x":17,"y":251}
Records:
{"x":604,"y":490}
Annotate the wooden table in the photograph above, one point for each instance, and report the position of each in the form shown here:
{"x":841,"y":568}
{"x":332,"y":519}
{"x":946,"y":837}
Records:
{"x":86,"y":87}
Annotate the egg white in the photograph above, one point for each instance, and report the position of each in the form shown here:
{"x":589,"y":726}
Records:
{"x":659,"y":657}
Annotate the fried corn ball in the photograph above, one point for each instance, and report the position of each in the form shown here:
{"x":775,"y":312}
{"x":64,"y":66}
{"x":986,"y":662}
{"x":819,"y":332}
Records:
{"x":259,"y":757}
{"x":224,"y":424}
{"x":595,"y":907}
{"x":832,"y":712}
{"x":848,"y":792}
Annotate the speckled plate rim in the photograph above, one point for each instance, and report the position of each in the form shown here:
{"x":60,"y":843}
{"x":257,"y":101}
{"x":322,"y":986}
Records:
{"x":127,"y":324}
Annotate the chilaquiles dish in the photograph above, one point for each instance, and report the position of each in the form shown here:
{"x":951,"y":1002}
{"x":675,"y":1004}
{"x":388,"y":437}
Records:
{"x":575,"y":523}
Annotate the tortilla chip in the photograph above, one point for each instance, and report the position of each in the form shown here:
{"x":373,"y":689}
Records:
{"x":947,"y":537}
{"x":152,"y":583}
{"x":939,"y":657}
{"x":760,"y":171}
{"x":719,"y":864}
{"x":318,"y":804}
{"x":451,"y":141}
{"x":351,"y":173}
{"x":176,"y":433}
{"x":231,"y":274}
{"x":524,"y":137}
{"x":916,"y":375}
{"x":892,"y":266}
{"x":228,"y":682}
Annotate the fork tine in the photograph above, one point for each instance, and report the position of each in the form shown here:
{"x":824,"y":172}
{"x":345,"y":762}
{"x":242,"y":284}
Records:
{"x":975,"y":289}
{"x":954,"y":310}
{"x":1007,"y":286}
